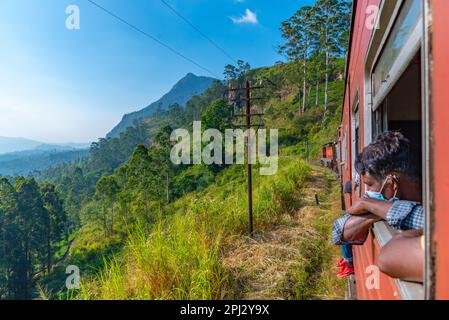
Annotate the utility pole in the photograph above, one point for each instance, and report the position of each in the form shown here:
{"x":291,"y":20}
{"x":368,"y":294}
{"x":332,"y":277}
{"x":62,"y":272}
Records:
{"x":248,"y":152}
{"x":248,"y":125}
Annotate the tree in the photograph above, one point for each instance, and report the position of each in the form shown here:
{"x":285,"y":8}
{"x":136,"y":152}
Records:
{"x":218,"y":115}
{"x":242,"y":67}
{"x":143,"y":178}
{"x":163,"y":144}
{"x":299,"y":34}
{"x":233,"y":73}
{"x":30,"y":241}
{"x":316,"y":37}
{"x":9,"y":241}
{"x":334,"y":17}
{"x":230,"y":72}
{"x":176,"y":116}
{"x":107,"y":188}
{"x":55,"y":222}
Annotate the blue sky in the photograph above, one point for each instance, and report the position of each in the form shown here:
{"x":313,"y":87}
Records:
{"x":59,"y":85}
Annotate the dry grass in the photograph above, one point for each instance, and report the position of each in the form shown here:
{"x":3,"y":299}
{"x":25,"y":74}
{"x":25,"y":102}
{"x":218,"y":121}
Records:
{"x":293,"y":260}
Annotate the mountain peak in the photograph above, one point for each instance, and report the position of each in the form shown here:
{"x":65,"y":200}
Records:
{"x":190,"y":85}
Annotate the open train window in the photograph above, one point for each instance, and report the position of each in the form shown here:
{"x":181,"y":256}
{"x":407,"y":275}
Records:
{"x":396,"y":78}
{"x":400,"y":47}
{"x":401,"y":109}
{"x":394,"y":88}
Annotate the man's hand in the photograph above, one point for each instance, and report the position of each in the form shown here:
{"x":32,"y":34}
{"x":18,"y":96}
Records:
{"x":358,"y":208}
{"x":366,"y":205}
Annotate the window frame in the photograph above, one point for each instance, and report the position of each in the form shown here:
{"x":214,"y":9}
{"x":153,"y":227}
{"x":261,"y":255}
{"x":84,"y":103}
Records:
{"x":355,"y":143}
{"x":388,"y":14}
{"x":406,"y":55}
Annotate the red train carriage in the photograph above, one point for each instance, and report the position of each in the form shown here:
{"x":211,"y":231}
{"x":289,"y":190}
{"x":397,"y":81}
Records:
{"x":329,"y":156}
{"x":396,"y":79}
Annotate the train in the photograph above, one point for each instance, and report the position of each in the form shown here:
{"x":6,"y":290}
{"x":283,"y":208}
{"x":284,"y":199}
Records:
{"x":396,"y":77}
{"x":329,"y":156}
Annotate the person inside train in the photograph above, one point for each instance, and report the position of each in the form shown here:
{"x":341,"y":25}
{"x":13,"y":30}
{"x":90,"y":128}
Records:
{"x":403,"y":256}
{"x":389,"y":167}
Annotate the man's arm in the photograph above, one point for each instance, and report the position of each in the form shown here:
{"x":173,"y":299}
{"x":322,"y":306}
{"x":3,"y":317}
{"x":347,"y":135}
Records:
{"x":352,"y":229}
{"x":401,"y":215}
{"x":377,"y":207}
{"x":357,"y":227}
{"x":403,"y":257}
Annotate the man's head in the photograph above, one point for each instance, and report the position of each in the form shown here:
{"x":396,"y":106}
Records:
{"x":388,"y":160}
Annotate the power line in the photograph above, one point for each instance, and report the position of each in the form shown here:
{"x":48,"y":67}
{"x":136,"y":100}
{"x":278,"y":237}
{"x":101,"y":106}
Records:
{"x":198,"y":30}
{"x":152,"y":38}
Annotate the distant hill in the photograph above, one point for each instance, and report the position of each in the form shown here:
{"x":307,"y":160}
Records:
{"x":63,"y":146}
{"x":12,"y":145}
{"x":40,"y":158}
{"x":189,"y":86}
{"x":8,"y":144}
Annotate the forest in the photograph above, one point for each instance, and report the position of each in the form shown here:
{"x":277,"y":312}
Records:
{"x":139,"y":226}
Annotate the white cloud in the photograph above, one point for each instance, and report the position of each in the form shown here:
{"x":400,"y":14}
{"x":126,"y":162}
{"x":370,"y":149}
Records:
{"x":248,"y":17}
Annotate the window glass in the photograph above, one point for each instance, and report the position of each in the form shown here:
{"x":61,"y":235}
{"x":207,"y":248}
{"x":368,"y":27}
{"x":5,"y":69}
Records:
{"x":345,"y":149}
{"x":379,"y":120}
{"x":356,"y":148}
{"x":401,"y":33}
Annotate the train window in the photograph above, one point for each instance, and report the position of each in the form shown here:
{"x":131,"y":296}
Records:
{"x":393,"y":83}
{"x":379,"y":118}
{"x":356,"y":144}
{"x":377,"y":122}
{"x":355,"y":135}
{"x":401,"y":109}
{"x":345,"y":148}
{"x":402,"y":44}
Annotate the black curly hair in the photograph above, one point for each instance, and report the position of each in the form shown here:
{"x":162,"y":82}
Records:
{"x":390,"y":152}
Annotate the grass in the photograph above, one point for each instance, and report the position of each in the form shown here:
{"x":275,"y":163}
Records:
{"x":294,"y":258}
{"x":89,"y":250}
{"x":181,"y":259}
{"x":313,"y":277}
